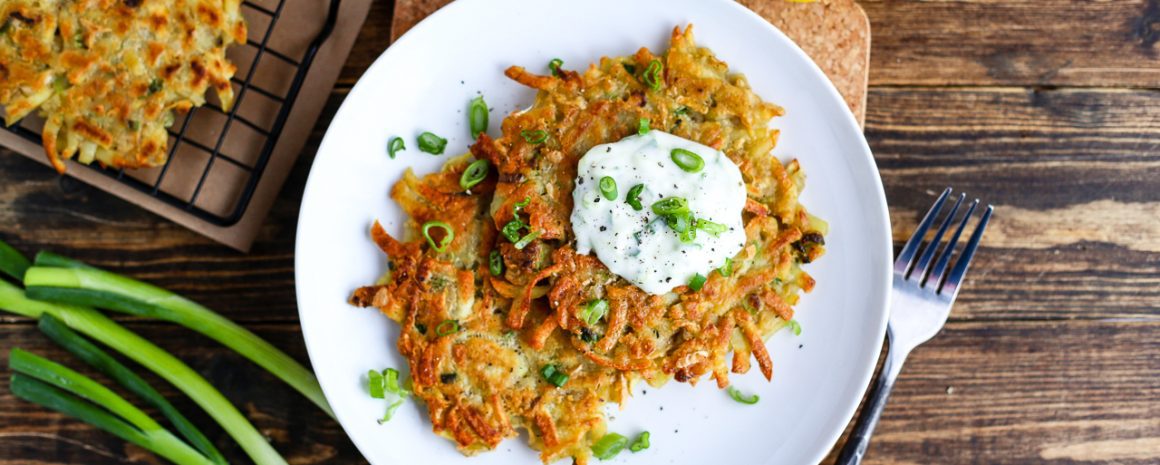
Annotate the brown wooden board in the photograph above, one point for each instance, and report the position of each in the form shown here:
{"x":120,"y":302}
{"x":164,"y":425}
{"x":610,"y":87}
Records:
{"x":835,"y":33}
{"x":1052,"y":349}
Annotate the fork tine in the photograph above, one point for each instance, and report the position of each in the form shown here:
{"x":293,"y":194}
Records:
{"x":960,"y":269}
{"x":940,"y":265}
{"x":902,"y":264}
{"x":923,"y":265}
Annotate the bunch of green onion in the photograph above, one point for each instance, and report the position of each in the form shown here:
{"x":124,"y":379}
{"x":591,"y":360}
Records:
{"x":61,"y":293}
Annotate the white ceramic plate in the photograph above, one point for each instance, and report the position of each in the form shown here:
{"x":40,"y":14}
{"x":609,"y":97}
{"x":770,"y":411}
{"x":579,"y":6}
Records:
{"x":424,"y":82}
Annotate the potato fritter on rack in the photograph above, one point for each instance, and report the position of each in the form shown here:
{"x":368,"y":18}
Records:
{"x":108,"y":75}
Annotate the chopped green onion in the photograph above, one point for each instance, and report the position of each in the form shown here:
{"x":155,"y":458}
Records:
{"x":726,"y":270}
{"x":681,"y":111}
{"x":593,"y":311}
{"x":631,"y":68}
{"x":681,"y":222}
{"x":155,"y":86}
{"x":554,"y":66}
{"x":391,"y":382}
{"x":654,"y":74}
{"x":697,"y":282}
{"x":375,"y":384}
{"x":431,"y":143}
{"x":642,"y":127}
{"x":511,"y":230}
{"x":671,"y":206}
{"x":12,"y":263}
{"x":640,"y":443}
{"x":134,"y":125}
{"x":391,"y":410}
{"x":448,"y":235}
{"x":475,"y":173}
{"x":96,"y":357}
{"x":795,"y":327}
{"x":477,"y":116}
{"x":609,"y":446}
{"x":554,"y":376}
{"x":395,"y":145}
{"x":447,"y":327}
{"x":687,"y":236}
{"x":524,"y":241}
{"x":711,"y":227}
{"x":534,"y":137}
{"x":608,"y":188}
{"x":633,"y":197}
{"x":688,"y":161}
{"x":740,"y":397}
{"x":495,"y":263}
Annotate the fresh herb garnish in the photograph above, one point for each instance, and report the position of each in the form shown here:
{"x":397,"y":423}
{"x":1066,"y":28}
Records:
{"x":697,"y":282}
{"x":711,"y":227}
{"x":688,"y":161}
{"x":394,"y":146}
{"x":654,"y":74}
{"x":554,"y":376}
{"x":554,"y":66}
{"x":740,"y":397}
{"x":495,"y":263}
{"x":447,"y":327}
{"x":642,"y":127}
{"x":633,"y":197}
{"x":593,"y":311}
{"x":795,"y":327}
{"x":534,"y":137}
{"x":527,"y":239}
{"x":475,"y":173}
{"x":640,"y":443}
{"x":431,"y":143}
{"x":477,"y":116}
{"x":448,"y":235}
{"x":608,"y":188}
{"x":609,"y":446}
{"x":726,"y":270}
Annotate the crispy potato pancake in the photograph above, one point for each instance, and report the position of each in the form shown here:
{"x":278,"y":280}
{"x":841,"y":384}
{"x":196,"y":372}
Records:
{"x":108,"y":75}
{"x":477,"y":342}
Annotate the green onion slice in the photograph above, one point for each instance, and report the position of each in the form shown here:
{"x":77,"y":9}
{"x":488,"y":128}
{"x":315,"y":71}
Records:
{"x":642,"y":127}
{"x":640,"y":443}
{"x":391,"y":382}
{"x":741,"y":397}
{"x":534,"y":137}
{"x":633,"y":197}
{"x":375,"y":384}
{"x":395,"y":145}
{"x":711,"y":227}
{"x":726,"y":270}
{"x":475,"y":173}
{"x":688,"y":161}
{"x":448,"y":235}
{"x":447,"y":327}
{"x":795,"y":327}
{"x":697,"y":282}
{"x":593,"y":311}
{"x":477,"y":116}
{"x":608,"y":188}
{"x":495,"y":263}
{"x":671,"y":206}
{"x":554,"y":376}
{"x":654,"y":74}
{"x":554,"y":66}
{"x":511,"y":230}
{"x":391,"y":410}
{"x":431,"y":143}
{"x":609,"y":446}
{"x":524,"y":241}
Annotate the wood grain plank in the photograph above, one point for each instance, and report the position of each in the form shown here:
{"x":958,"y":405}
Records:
{"x":980,"y":392}
{"x":968,"y":42}
{"x":1027,"y":392}
{"x":1072,"y":173}
{"x":1030,"y":42}
{"x":30,"y":434}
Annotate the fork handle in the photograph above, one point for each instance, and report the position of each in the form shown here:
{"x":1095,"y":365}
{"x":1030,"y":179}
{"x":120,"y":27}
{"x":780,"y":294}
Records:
{"x":859,"y":439}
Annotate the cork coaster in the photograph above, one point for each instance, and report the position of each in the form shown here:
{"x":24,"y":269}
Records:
{"x":835,"y":33}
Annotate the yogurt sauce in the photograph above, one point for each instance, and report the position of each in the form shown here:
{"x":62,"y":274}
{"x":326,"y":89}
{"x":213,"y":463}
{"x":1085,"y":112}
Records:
{"x":638,"y":245}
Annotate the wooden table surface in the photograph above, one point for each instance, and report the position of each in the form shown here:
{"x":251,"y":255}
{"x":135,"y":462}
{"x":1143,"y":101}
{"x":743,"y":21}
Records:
{"x":1049,"y":109}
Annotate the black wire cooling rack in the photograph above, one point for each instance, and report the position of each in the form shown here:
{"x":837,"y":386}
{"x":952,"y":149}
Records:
{"x":249,"y":170}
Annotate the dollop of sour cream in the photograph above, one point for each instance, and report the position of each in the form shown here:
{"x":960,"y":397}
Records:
{"x":638,"y":245}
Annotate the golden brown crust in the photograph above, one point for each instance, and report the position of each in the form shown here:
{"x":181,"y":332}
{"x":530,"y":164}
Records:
{"x":483,"y":382}
{"x":109,"y":75}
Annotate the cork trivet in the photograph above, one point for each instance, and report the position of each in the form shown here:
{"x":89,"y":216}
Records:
{"x":835,"y":33}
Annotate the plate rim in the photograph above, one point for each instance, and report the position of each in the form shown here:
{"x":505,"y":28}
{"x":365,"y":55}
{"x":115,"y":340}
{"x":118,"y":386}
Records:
{"x":866,"y":361}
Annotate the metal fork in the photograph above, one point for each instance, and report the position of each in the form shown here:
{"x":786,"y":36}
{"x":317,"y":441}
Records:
{"x":922,"y":298}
